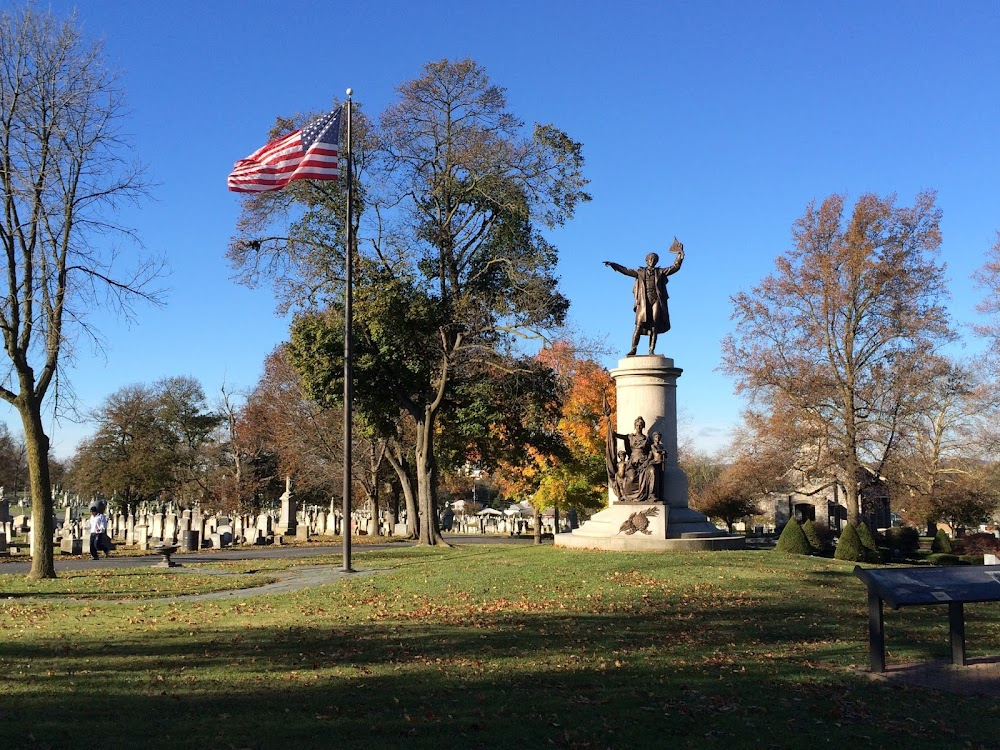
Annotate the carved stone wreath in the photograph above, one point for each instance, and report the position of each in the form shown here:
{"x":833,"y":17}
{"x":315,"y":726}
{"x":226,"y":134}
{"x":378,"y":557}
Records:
{"x":639,"y":521}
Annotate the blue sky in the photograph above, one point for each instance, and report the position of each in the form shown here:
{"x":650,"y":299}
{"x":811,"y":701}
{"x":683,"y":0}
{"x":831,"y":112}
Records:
{"x":713,"y":121}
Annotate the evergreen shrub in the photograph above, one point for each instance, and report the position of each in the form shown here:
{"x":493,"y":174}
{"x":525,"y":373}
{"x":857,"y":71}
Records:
{"x":812,"y":536}
{"x":849,"y":546}
{"x":793,"y":540}
{"x":942,"y":543}
{"x":869,"y":547}
{"x":904,"y":540}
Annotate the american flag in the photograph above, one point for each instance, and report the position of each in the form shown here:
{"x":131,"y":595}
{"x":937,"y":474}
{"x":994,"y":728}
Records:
{"x":307,"y":154}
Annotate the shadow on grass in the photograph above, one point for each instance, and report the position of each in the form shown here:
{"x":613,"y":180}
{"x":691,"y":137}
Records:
{"x":711,"y":674}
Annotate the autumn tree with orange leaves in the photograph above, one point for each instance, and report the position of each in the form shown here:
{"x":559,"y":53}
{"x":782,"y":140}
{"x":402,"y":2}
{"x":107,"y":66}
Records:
{"x":572,"y":474}
{"x":835,"y":342}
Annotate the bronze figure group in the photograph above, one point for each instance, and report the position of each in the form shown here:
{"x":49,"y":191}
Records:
{"x":636,"y":472}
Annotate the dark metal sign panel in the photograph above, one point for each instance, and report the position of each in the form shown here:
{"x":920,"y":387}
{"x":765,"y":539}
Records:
{"x":904,"y":587}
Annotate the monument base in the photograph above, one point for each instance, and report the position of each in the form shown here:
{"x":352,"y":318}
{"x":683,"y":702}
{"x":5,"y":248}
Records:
{"x":649,"y":527}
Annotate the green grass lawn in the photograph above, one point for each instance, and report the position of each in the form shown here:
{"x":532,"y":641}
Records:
{"x":133,"y":583}
{"x":489,"y":647}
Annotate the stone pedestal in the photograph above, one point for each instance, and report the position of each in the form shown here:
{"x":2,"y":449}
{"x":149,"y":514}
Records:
{"x":646,"y":386}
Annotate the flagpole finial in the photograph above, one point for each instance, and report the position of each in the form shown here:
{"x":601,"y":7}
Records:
{"x":349,"y":92}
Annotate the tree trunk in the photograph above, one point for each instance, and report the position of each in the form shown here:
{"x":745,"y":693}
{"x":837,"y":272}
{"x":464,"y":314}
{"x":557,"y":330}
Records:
{"x":403,"y":472}
{"x":42,"y":525}
{"x":538,"y":526}
{"x":851,"y":493}
{"x":392,"y":511}
{"x":851,"y":462}
{"x":430,"y":532}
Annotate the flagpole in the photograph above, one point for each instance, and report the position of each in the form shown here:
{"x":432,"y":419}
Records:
{"x":345,"y":523}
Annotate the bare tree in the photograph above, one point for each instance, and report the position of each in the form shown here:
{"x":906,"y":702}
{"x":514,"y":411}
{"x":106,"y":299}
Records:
{"x":941,"y":470}
{"x":988,"y":279}
{"x":839,"y":338}
{"x":64,"y":170}
{"x":150,"y":441}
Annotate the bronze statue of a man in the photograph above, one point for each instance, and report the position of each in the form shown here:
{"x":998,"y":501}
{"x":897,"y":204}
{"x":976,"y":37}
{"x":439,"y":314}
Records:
{"x":650,"y":290}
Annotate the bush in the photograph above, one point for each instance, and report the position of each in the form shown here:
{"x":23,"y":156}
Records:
{"x":849,"y":546}
{"x":942,"y":543}
{"x":904,"y":540}
{"x":812,"y":536}
{"x":979,"y":544}
{"x":793,"y":540}
{"x":870,"y":549}
{"x":943,"y":558}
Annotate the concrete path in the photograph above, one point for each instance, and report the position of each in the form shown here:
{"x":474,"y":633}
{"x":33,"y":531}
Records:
{"x":287,"y":580}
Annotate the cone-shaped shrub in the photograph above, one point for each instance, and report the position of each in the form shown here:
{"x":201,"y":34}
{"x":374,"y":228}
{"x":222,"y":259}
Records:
{"x":815,"y":543}
{"x":903,"y":539}
{"x":942,"y":543}
{"x":849,"y":546}
{"x":793,"y":540}
{"x":871,"y":550}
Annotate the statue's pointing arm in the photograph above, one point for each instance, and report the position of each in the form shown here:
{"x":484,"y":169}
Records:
{"x":620,"y":269}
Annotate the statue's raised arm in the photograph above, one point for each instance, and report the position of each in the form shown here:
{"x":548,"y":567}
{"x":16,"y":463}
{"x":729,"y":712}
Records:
{"x":650,"y":293}
{"x":677,"y":248}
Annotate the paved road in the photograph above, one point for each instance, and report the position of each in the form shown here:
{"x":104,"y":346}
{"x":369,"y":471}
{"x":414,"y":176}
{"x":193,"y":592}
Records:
{"x":66,"y":562}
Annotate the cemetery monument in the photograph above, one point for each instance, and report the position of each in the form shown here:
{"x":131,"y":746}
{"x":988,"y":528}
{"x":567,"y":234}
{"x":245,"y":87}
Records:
{"x":647,"y":490}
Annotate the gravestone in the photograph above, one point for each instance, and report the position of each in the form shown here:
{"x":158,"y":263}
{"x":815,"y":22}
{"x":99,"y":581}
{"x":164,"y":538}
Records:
{"x":287,"y":520}
{"x":170,"y":528}
{"x":70,"y":546}
{"x":156,"y":530}
{"x":141,"y":532}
